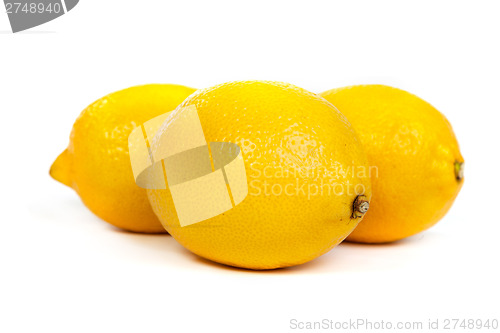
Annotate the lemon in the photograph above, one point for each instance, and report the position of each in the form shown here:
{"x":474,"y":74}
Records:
{"x":420,"y":168}
{"x":298,"y":151}
{"x":96,"y":163}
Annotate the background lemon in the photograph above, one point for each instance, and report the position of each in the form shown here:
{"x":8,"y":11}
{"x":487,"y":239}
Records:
{"x":96,"y":163}
{"x":420,"y":168}
{"x":288,"y":136}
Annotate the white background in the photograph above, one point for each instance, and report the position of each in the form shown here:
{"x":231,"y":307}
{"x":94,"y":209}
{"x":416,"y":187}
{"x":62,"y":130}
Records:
{"x":64,"y":270}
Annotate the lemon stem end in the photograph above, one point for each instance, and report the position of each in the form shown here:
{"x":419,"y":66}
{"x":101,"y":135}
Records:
{"x":360,"y":206}
{"x":459,"y":170}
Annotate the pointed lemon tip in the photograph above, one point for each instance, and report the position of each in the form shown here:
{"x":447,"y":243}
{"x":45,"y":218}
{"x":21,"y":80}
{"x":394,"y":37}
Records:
{"x":60,"y":169}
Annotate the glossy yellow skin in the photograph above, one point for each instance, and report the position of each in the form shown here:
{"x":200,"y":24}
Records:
{"x":280,"y":128}
{"x":96,"y":163}
{"x":415,"y":150}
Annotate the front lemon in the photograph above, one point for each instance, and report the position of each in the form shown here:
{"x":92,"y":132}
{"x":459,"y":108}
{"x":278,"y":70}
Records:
{"x":306,"y":173}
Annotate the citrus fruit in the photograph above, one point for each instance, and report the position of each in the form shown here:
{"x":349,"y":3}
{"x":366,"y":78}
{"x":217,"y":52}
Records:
{"x":418,"y":161}
{"x":96,"y":163}
{"x":305,"y":175}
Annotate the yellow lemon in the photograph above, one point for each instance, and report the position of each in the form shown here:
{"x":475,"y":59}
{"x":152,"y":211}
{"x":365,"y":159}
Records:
{"x":413,"y":147}
{"x":305,"y":173}
{"x":96,"y":163}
